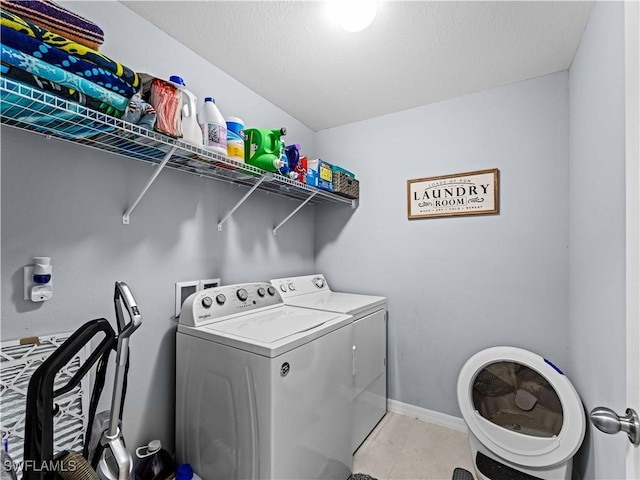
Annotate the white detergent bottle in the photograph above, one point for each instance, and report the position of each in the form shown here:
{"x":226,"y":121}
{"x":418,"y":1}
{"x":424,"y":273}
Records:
{"x":191,"y":132}
{"x":214,"y":127}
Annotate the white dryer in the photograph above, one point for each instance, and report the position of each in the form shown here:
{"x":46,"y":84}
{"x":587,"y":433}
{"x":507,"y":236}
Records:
{"x":369,"y":343}
{"x":263,"y":390}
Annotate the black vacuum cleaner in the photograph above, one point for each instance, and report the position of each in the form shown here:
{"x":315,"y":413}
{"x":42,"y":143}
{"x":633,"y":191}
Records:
{"x":111,"y":459}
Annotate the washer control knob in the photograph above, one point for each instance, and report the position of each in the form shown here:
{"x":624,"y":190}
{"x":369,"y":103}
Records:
{"x":220,"y":299}
{"x":292,"y":287}
{"x":283,"y":287}
{"x":242,"y":294}
{"x":272,"y":291}
{"x":319,"y":282}
{"x":207,"y":302}
{"x":261,"y":292}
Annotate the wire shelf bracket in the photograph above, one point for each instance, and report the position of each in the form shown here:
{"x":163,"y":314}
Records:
{"x":240,"y":202}
{"x":156,"y":172}
{"x":275,"y":229}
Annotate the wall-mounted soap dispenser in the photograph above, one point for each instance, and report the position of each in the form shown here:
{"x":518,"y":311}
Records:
{"x":38,"y":283}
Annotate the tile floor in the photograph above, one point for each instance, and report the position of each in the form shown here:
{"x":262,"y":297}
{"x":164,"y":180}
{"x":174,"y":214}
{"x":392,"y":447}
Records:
{"x":405,"y":448}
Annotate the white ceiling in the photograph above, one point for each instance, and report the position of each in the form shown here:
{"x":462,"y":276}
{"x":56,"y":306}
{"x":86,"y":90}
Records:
{"x":414,"y":53}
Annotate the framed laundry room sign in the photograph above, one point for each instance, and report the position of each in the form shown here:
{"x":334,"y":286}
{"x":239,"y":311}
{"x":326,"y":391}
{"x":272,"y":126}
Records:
{"x":469,"y":193}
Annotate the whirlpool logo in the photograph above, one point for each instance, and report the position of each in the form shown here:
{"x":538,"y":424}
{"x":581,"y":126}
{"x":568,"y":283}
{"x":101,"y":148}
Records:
{"x":284,"y":369}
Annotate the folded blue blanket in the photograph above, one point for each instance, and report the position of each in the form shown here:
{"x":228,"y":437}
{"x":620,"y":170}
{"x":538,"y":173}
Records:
{"x":54,"y":56}
{"x":55,"y":74}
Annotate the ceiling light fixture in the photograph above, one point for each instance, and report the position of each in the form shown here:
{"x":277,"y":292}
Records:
{"x":352,"y":15}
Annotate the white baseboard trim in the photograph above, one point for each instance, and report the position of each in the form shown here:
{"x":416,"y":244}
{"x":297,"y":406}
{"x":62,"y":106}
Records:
{"x":429,"y":416}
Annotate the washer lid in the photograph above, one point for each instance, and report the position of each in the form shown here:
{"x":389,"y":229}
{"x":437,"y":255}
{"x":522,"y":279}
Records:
{"x":272,"y":325}
{"x":509,"y":413}
{"x":270,"y":332}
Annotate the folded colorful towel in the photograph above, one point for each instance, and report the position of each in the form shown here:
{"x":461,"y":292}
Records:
{"x":58,"y":20}
{"x":58,"y":90}
{"x":18,"y":108}
{"x":52,"y":73}
{"x":53,"y":56}
{"x":14,"y":22}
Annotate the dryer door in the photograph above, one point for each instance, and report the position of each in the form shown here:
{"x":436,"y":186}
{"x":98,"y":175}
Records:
{"x":369,"y":379}
{"x":370,"y":349}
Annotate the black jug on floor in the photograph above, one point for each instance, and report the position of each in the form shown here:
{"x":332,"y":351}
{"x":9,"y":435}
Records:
{"x":153,"y":462}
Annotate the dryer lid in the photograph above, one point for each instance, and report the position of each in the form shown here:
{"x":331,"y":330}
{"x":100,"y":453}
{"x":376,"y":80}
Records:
{"x":349,"y":303}
{"x":312,"y":291}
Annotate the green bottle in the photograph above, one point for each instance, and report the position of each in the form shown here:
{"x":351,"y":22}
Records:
{"x":263,"y":148}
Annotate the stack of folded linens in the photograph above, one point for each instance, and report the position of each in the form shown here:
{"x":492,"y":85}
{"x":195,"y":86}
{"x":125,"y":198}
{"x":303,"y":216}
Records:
{"x":58,"y":20}
{"x":42,"y":58}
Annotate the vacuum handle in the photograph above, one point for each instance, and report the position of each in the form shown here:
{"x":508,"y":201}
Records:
{"x":123,"y":293}
{"x":38,"y":430}
{"x":77,"y":342}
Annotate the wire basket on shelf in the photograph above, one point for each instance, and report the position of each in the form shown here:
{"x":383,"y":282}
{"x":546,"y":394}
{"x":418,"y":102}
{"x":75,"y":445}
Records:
{"x":345,"y":184}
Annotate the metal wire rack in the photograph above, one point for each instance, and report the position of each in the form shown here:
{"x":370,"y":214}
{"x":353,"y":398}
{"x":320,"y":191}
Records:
{"x":27,"y":108}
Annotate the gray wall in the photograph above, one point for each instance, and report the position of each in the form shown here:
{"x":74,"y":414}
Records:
{"x":546,"y":274}
{"x":66,"y":201}
{"x":457,"y":285}
{"x":597,"y":231}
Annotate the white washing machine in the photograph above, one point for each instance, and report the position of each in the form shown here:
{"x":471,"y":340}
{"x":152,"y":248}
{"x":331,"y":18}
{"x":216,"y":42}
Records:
{"x":263,"y":390}
{"x":369,"y":343}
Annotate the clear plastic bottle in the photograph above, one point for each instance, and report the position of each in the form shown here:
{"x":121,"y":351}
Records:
{"x":191,"y":132}
{"x":213,"y":127}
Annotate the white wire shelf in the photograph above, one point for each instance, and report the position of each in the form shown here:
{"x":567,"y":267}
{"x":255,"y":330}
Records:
{"x":32,"y":109}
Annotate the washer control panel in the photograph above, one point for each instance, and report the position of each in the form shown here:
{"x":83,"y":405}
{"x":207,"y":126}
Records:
{"x":213,"y":304}
{"x":294,"y":286}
